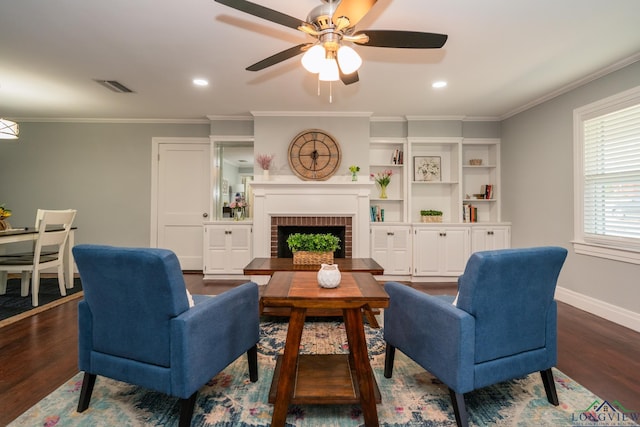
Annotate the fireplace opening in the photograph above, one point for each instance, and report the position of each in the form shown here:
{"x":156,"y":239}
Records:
{"x":284,"y":231}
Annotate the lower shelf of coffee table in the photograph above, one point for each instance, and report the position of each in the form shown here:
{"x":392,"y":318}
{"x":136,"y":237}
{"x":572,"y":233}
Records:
{"x":322,"y":379}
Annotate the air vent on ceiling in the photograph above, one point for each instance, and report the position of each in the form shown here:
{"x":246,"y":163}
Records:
{"x":114,"y":85}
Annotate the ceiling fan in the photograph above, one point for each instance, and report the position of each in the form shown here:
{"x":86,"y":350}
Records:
{"x":333,"y":25}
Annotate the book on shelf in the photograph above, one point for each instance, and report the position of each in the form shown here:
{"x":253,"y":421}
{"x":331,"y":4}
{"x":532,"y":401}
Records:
{"x":488,"y":192}
{"x":469,"y":213}
{"x":398,"y":157}
{"x":377,"y":214}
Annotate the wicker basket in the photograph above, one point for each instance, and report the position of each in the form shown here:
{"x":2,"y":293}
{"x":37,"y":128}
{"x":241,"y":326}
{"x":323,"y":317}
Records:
{"x":310,"y":258}
{"x":475,"y":162}
{"x":431,"y":218}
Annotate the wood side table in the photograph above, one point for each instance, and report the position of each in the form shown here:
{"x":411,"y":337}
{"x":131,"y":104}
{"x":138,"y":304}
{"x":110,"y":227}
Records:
{"x":324,"y":379}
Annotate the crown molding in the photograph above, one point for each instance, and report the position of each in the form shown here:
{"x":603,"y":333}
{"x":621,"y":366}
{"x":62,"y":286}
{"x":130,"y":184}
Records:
{"x":230,"y":118}
{"x":112,"y":120}
{"x":311,"y":113}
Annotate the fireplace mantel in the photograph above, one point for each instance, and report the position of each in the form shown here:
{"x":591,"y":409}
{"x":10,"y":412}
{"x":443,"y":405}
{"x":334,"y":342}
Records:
{"x":289,"y":196}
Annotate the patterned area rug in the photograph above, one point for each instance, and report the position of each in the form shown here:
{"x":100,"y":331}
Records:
{"x":412,"y":397}
{"x":14,"y":307}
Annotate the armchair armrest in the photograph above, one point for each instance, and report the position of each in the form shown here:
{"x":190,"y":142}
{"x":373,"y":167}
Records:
{"x":434,"y":333}
{"x":221,"y":328}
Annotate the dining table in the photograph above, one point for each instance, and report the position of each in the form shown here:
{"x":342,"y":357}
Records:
{"x":26,"y":234}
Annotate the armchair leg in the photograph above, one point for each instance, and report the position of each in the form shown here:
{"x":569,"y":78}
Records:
{"x":549,"y":386}
{"x":389,"y":355}
{"x":252,"y":357}
{"x":88,"y":381}
{"x":459,"y":408}
{"x":186,"y":409}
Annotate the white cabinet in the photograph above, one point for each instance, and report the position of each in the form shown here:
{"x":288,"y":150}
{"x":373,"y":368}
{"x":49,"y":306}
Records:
{"x":488,"y":237}
{"x":440,"y":250}
{"x":448,"y":174}
{"x":391,"y":248}
{"x":388,"y":154}
{"x":227,"y":248}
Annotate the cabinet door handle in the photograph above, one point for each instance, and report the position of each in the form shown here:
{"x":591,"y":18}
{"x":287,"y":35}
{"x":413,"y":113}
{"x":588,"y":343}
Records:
{"x":228,"y":232}
{"x":205,"y":215}
{"x":443,"y":234}
{"x":490,"y":233}
{"x":390,"y":234}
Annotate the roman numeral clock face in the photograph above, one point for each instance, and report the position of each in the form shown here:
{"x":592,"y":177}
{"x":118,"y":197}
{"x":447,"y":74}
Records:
{"x":314,"y":155}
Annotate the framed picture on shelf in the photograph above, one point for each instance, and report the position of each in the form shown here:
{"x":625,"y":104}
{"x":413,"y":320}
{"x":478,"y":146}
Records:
{"x":426,"y":168}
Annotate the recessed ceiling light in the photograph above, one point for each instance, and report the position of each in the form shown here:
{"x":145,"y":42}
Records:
{"x":200,"y":82}
{"x":439,"y":84}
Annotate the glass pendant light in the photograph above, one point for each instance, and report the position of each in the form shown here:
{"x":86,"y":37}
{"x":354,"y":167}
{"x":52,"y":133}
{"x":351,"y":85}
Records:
{"x":349,"y":59}
{"x":313,"y":59}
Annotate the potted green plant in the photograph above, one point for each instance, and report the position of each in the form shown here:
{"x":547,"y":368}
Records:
{"x":431,"y":215}
{"x":313,"y":248}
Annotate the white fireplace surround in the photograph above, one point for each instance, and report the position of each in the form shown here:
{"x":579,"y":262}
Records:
{"x":287,"y":195}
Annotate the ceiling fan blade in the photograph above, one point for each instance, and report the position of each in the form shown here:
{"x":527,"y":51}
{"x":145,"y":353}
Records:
{"x":348,"y":79}
{"x":404,"y":39}
{"x":279,"y":57}
{"x":263,"y":12}
{"x":354,"y":10}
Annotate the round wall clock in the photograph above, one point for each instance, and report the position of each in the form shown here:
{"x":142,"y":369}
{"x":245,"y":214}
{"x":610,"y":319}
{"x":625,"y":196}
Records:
{"x":314,"y":155}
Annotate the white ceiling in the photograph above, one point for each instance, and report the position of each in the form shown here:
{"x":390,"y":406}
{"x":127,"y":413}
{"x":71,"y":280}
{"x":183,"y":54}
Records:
{"x":501,"y":57}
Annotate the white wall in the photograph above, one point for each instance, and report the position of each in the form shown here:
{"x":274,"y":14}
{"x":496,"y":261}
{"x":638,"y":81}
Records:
{"x":273,"y":134}
{"x":102,"y":170}
{"x":537,"y":194}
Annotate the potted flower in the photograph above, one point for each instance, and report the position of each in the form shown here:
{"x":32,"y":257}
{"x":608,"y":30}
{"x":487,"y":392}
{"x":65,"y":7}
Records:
{"x":354,"y":172}
{"x":237,"y":207}
{"x":383,"y":179}
{"x":313,"y":248}
{"x":4,"y":214}
{"x":264,"y":160}
{"x":431,"y":216}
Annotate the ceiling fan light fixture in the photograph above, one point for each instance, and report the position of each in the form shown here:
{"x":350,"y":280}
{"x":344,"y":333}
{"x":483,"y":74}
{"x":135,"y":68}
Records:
{"x":313,"y":59}
{"x":8,"y":129}
{"x":349,"y":59}
{"x":329,"y":71}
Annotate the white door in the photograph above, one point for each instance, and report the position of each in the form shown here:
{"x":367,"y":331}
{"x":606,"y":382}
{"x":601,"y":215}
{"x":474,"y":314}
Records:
{"x":183,"y":198}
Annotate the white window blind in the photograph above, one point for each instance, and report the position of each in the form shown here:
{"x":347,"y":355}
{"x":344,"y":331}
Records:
{"x":611,"y":178}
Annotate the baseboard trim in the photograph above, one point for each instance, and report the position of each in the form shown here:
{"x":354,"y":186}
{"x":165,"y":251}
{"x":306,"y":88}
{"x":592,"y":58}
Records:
{"x":610,"y":312}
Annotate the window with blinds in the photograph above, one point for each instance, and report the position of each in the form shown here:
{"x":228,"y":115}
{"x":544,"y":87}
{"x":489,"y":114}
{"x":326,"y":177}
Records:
{"x":608,"y":171}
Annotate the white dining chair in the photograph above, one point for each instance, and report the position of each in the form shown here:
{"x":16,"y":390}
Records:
{"x":49,"y":252}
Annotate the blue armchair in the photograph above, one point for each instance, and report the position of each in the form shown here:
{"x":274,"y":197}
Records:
{"x":136,"y":324}
{"x":502,"y":327}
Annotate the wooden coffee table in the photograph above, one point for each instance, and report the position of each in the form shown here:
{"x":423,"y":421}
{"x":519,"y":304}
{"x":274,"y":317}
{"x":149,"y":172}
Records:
{"x":324,"y":379}
{"x":268,"y":266}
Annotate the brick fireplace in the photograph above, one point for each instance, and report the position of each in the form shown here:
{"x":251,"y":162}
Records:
{"x":338,"y":225}
{"x":287,"y":200}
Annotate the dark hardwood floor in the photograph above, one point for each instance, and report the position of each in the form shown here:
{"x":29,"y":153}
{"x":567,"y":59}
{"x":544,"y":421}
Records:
{"x":39,"y":353}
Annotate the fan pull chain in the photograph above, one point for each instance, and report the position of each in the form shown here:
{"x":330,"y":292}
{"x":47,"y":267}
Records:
{"x":330,"y":92}
{"x":318,"y":86}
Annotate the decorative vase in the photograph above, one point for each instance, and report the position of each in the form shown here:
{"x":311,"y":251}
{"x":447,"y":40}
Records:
{"x":329,"y":276}
{"x":238,"y":214}
{"x":4,"y":225}
{"x":354,"y":176}
{"x":383,"y":191}
{"x":265,"y":174}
